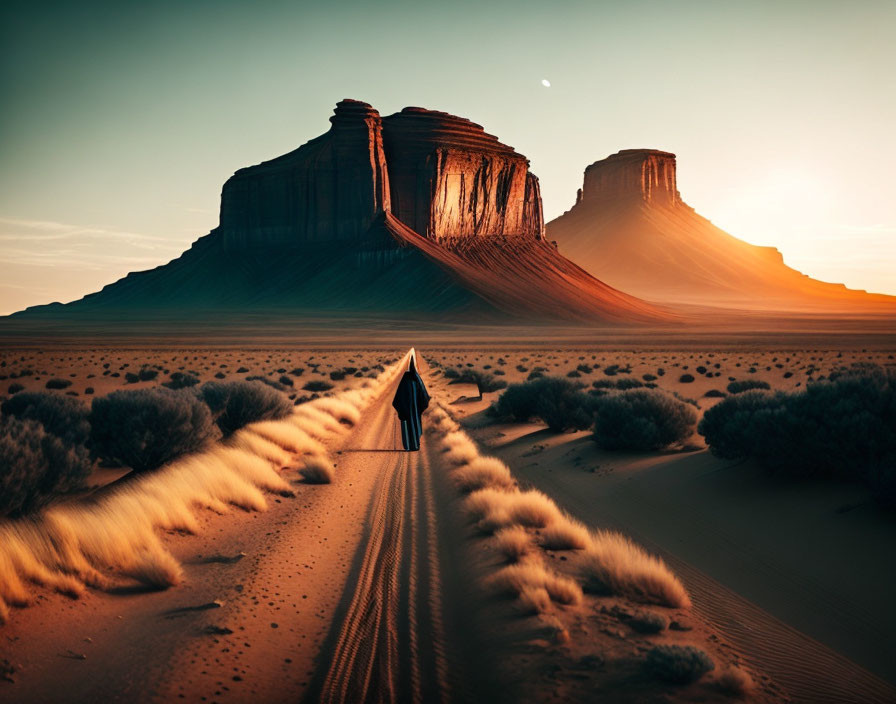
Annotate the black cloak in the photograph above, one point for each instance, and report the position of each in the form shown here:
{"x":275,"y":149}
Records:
{"x":411,"y":399}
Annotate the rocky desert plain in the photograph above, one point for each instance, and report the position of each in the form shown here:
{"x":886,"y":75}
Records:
{"x":657,"y":463}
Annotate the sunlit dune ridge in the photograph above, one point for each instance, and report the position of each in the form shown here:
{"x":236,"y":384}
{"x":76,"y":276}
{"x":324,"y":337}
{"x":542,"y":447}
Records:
{"x":111,"y":538}
{"x":611,"y":563}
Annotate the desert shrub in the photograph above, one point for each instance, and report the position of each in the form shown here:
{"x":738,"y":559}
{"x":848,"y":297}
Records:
{"x":715,"y":393}
{"x":268,"y":382}
{"x":14,"y":388}
{"x":843,"y":427}
{"x":36,"y":465}
{"x":317,"y":386}
{"x":286,"y":381}
{"x":678,"y":664}
{"x":58,"y":383}
{"x":613,"y":564}
{"x":517,"y":403}
{"x":734,"y":682}
{"x":337,"y":375}
{"x":484,"y":381}
{"x":452,"y":374}
{"x":534,"y":375}
{"x":686,"y":378}
{"x":558,"y":402}
{"x":235,"y":404}
{"x":146,"y":428}
{"x":736,"y":387}
{"x":641,"y":420}
{"x":513,"y":543}
{"x":62,"y":416}
{"x":565,"y":534}
{"x":625,"y":384}
{"x":317,"y":470}
{"x":644,"y":621}
{"x":181,"y":380}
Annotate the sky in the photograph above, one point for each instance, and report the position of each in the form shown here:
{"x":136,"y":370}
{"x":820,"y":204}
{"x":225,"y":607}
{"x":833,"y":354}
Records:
{"x":119,"y":122}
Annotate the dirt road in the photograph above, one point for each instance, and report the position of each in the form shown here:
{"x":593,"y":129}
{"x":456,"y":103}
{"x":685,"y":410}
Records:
{"x":354,"y":591}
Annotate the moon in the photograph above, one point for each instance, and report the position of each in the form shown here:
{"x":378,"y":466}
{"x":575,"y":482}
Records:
{"x":545,"y":82}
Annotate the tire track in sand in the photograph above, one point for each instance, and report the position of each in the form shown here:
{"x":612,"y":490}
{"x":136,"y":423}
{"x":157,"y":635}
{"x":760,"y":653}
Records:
{"x":387,"y":642}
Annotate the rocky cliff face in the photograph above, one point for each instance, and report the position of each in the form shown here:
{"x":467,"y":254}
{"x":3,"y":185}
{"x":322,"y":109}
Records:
{"x":442,"y":175}
{"x":418,"y":213}
{"x":329,"y":189}
{"x":451,"y":179}
{"x":633,"y":176}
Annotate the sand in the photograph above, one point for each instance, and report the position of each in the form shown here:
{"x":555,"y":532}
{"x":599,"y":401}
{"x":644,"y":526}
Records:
{"x":374,"y":587}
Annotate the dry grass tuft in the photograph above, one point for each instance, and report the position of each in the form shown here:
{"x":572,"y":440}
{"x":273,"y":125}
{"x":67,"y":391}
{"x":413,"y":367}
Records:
{"x":482,"y":473}
{"x":613,"y":564}
{"x":532,"y":509}
{"x":565,"y":534}
{"x":532,"y":574}
{"x":318,"y":470}
{"x":287,"y":436}
{"x":513,"y":543}
{"x":342,"y":408}
{"x":534,"y":600}
{"x":459,"y":449}
{"x":734,"y":682}
{"x":255,"y":444}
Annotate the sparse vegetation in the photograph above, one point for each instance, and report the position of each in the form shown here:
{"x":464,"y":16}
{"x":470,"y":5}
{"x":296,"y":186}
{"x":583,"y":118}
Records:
{"x":736,"y":387}
{"x":485,"y":382}
{"x":613,"y":564}
{"x":560,"y":403}
{"x":235,"y":404}
{"x":317,"y":386}
{"x":36,"y":465}
{"x":844,"y":427}
{"x":62,"y":416}
{"x":641,"y":420}
{"x":147,"y":428}
{"x":180,"y":380}
{"x":678,"y":664}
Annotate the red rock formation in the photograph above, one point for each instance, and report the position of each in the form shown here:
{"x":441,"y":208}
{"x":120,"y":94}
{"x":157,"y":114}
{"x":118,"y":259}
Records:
{"x":442,"y":175}
{"x":637,"y":175}
{"x":630,"y":229}
{"x":329,"y":189}
{"x":420,"y":212}
{"x":452,"y":179}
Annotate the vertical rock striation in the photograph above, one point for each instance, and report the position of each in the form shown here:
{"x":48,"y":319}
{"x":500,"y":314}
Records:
{"x":632,"y":175}
{"x":329,"y":189}
{"x":451,"y":179}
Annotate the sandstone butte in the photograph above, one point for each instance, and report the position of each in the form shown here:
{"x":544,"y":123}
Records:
{"x":630,"y":228}
{"x":418,"y":213}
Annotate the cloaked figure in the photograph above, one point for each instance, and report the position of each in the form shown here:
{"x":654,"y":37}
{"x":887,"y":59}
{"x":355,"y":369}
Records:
{"x":411,"y":399}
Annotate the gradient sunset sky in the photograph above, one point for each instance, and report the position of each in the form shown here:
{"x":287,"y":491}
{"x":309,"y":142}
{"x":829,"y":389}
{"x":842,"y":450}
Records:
{"x":121,"y":121}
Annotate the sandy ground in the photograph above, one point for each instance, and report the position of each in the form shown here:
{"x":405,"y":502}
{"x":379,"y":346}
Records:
{"x":370,"y":589}
{"x":795,"y":575}
{"x":354,"y":570}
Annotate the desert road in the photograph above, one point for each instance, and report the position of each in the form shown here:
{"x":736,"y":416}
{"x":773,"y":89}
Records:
{"x":363,"y":590}
{"x":351,"y":592}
